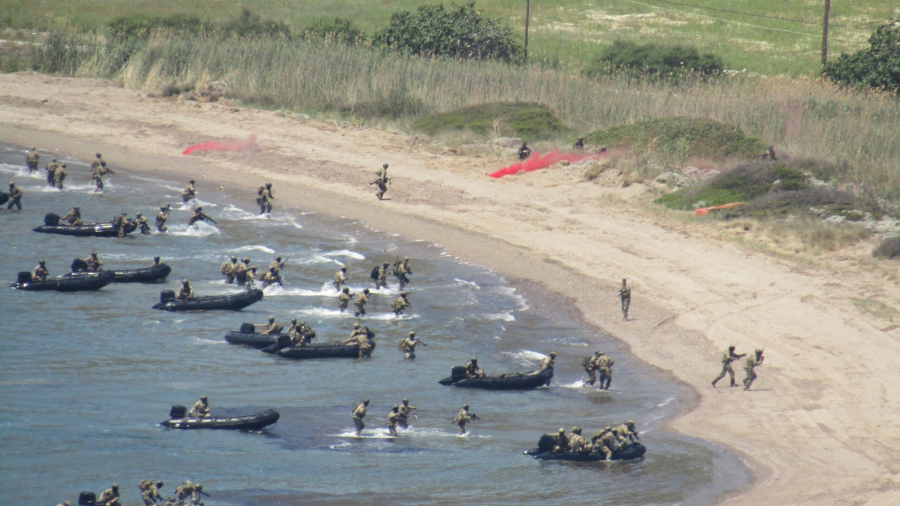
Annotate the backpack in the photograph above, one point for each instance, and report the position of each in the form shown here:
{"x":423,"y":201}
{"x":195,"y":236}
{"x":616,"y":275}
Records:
{"x":144,"y":484}
{"x":401,"y":344}
{"x":374,"y":274}
{"x":586,"y":363}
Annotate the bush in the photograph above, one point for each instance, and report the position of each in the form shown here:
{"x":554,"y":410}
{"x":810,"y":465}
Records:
{"x":460,"y":32}
{"x":522,"y":119}
{"x":396,"y":102}
{"x":140,"y":25}
{"x":876,"y":67}
{"x":702,"y":137}
{"x":654,"y":60}
{"x":889,"y":248}
{"x":337,"y":29}
{"x":248,"y":24}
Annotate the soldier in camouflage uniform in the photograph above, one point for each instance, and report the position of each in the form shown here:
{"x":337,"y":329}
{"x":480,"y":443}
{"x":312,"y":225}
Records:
{"x":381,"y":281}
{"x":625,"y":296}
{"x":15,"y":197}
{"x":31,"y":159}
{"x":40,"y":272}
{"x":120,"y":222}
{"x":110,"y":496}
{"x":59,"y":177}
{"x":156,"y":262}
{"x":363,"y":337}
{"x":150,"y":491}
{"x":472,"y":370}
{"x":189,"y":489}
{"x":562,"y":442}
{"x":51,"y":173}
{"x":241,"y":270}
{"x":74,"y":217}
{"x":381,"y":182}
{"x":161,"y":219}
{"x":408,"y":346}
{"x":186,"y":292}
{"x":401,"y":271}
{"x":344,"y":299}
{"x":93,"y":263}
{"x":189,"y":192}
{"x":200,"y":408}
{"x":277,"y":264}
{"x":362,"y":298}
{"x":270,"y":278}
{"x":142,"y":224}
{"x":604,"y":366}
{"x":463,"y":418}
{"x":393,"y":420}
{"x":405,"y":410}
{"x":400,"y":304}
{"x":727,"y":359}
{"x":605,"y":443}
{"x":547,"y":362}
{"x":590,"y":366}
{"x":577,"y":443}
{"x":269,"y":328}
{"x":227,"y":270}
{"x":627,"y":430}
{"x":752,"y":362}
{"x":358,"y":413}
{"x":340,"y":277}
{"x":265,"y":199}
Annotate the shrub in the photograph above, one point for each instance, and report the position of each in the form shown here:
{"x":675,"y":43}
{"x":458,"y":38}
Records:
{"x":875,"y":67}
{"x":703,"y":137}
{"x":459,"y":32}
{"x":654,"y":60}
{"x":396,"y":102}
{"x":889,"y":248}
{"x":249,"y":24}
{"x":336,"y":29}
{"x":523,"y":119}
{"x":141,"y":26}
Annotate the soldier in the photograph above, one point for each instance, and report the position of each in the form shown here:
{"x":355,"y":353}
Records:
{"x":301,"y":334}
{"x":270,"y":278}
{"x":142,"y":224}
{"x":381,"y":182}
{"x":277,"y":264}
{"x":156,"y":262}
{"x":198,"y":215}
{"x":189,"y":192}
{"x":579,"y":144}
{"x":97,"y":176}
{"x":241,"y":270}
{"x":74,"y":217}
{"x":625,"y":295}
{"x":150,"y":491}
{"x":250,"y":277}
{"x":110,"y":496}
{"x":577,"y":443}
{"x":358,"y":413}
{"x":727,"y":359}
{"x":381,"y":281}
{"x":200,"y":409}
{"x":605,"y":442}
{"x":189,"y":489}
{"x":269,"y":328}
{"x":40,"y":272}
{"x":340,"y":277}
{"x":472,"y":370}
{"x":562,"y":442}
{"x":59,"y":176}
{"x":15,"y":197}
{"x":604,"y":365}
{"x":590,"y":366}
{"x":524,"y":152}
{"x":363,"y":337}
{"x":31,"y":159}
{"x":120,"y":222}
{"x":627,"y":430}
{"x":752,"y":362}
{"x":227,"y":270}
{"x":161,"y":219}
{"x":401,"y":271}
{"x":98,"y":159}
{"x":51,"y":173}
{"x":547,"y":362}
{"x":400,"y":304}
{"x":393,"y":420}
{"x":769,"y":154}
{"x":405,"y":410}
{"x":362,"y":298}
{"x":408,"y":346}
{"x":344,"y":299}
{"x":265,"y":199}
{"x":463,"y":418}
{"x":93,"y":263}
{"x":185,"y":292}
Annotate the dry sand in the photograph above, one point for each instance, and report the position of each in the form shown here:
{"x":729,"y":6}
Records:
{"x":822,"y":424}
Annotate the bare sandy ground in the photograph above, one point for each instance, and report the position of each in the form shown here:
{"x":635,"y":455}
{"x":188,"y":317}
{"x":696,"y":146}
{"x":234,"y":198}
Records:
{"x":822,"y":424}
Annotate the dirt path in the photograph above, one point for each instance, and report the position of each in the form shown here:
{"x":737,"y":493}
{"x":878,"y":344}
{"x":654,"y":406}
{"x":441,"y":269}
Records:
{"x":822,"y":425}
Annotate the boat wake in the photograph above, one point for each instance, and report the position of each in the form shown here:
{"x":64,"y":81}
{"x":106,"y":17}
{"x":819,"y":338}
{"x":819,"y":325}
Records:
{"x":470,"y":284}
{"x":199,"y":229}
{"x":344,"y":253}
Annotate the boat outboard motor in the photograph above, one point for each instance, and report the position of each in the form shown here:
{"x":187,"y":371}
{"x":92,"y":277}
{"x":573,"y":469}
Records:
{"x":51,"y":219}
{"x":24,"y":277}
{"x":247,"y":328}
{"x":87,"y":499}
{"x":284,"y":341}
{"x":178,"y":412}
{"x":78,"y":265}
{"x":458,"y":371}
{"x":166,"y":295}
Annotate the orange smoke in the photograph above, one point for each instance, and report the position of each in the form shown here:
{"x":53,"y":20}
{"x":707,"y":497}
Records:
{"x":223,"y":146}
{"x":539,"y":161}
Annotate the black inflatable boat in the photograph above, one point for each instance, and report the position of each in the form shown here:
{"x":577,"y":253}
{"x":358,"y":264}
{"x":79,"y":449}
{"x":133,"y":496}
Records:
{"x":517,"y":381}
{"x":4,"y":198}
{"x":248,"y":336}
{"x":104,"y":229}
{"x":544,"y":451}
{"x":74,"y":282}
{"x":282,"y":348}
{"x":232,"y":301}
{"x":155,"y":274}
{"x":256,"y":421}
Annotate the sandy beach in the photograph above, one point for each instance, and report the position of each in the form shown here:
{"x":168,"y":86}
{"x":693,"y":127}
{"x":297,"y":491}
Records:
{"x":822,"y":423}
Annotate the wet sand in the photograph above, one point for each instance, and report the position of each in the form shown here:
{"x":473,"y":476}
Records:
{"x":820,"y":426}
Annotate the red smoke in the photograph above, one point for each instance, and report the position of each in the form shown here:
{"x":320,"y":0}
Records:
{"x":538,"y":161}
{"x":223,"y":146}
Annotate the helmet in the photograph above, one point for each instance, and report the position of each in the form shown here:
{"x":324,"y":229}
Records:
{"x":395,"y":408}
{"x":191,"y":181}
{"x":41,"y":262}
{"x":385,"y":166}
{"x":474,"y":360}
{"x":203,"y":398}
{"x":271,"y":318}
{"x":234,"y":259}
{"x":553,"y":354}
{"x":77,"y":208}
{"x":758,"y":351}
{"x":245,"y":259}
{"x":115,"y":486}
{"x":345,"y":290}
{"x":366,"y":291}
{"x":465,"y":406}
{"x":199,"y":208}
{"x":607,"y":428}
{"x":252,"y":267}
{"x":268,"y":185}
{"x":54,"y":159}
{"x":12,"y":183}
{"x":138,"y":215}
{"x":64,"y":164}
{"x":161,"y":208}
{"x":159,"y":484}
{"x":293,"y":320}
{"x":731,"y":348}
{"x":156,"y":258}
{"x":412,"y":333}
{"x":278,"y":257}
{"x":98,"y":155}
{"x":366,"y":402}
{"x":124,"y":213}
{"x":629,"y":422}
{"x":356,"y":325}
{"x":405,"y":401}
{"x":562,"y":431}
{"x":406,"y":259}
{"x":343,"y":267}
{"x":184,"y":281}
{"x":404,"y":294}
{"x":598,"y":353}
{"x":33,"y":148}
{"x":93,"y":253}
{"x":576,"y":430}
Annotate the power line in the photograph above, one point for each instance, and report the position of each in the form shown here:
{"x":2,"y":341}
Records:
{"x":815,"y":23}
{"x":741,"y":23}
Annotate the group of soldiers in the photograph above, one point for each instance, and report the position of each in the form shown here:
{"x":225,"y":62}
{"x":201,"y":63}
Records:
{"x":399,"y":417}
{"x":244,"y":274}
{"x":186,"y":494}
{"x":599,"y":363}
{"x":57,"y":173}
{"x":606,"y":441}
{"x":752,"y":362}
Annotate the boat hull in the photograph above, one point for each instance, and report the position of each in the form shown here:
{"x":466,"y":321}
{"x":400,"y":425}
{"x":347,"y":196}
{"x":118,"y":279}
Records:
{"x":316,"y":351}
{"x":634,"y":451}
{"x":155,"y":274}
{"x":234,"y":302}
{"x":256,"y":421}
{"x":75,"y":282}
{"x":502,"y":382}
{"x":252,"y":339}
{"x":105,"y":229}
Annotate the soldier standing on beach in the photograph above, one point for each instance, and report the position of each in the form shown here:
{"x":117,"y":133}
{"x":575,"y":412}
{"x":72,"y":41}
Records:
{"x":625,"y":296}
{"x":381,"y":181}
{"x":727,"y":359}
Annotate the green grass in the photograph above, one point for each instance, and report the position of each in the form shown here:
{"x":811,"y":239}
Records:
{"x":563,"y":33}
{"x":522,"y":119}
{"x":877,"y":308}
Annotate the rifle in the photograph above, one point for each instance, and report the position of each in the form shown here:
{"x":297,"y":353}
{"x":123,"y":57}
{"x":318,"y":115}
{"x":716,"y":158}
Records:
{"x":202,"y":492}
{"x":473,"y":416}
{"x":207,"y":218}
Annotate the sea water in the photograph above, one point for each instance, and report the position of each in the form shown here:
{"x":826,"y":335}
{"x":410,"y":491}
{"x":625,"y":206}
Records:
{"x":85,"y":378}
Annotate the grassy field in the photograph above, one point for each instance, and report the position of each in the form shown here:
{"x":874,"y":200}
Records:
{"x":563,"y":34}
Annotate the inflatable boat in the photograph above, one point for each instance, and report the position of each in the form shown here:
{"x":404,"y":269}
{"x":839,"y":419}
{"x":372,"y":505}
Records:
{"x":232,"y":301}
{"x":516,"y":381}
{"x":74,"y":282}
{"x":256,"y":421}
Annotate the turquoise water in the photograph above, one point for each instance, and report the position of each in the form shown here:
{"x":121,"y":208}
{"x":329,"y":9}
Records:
{"x":85,"y":378}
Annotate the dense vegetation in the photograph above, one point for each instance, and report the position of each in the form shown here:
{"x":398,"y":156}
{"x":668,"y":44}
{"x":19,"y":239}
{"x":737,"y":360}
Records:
{"x":654,"y":60}
{"x":877,"y":67}
{"x":521,"y":119}
{"x":699,"y":137}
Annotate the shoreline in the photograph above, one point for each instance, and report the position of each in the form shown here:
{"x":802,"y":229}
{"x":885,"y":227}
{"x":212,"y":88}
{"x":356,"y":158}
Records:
{"x":676,"y":304}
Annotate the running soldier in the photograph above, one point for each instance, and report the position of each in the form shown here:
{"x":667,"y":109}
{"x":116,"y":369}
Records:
{"x":381,"y":280}
{"x":408,"y":346}
{"x":405,"y":410}
{"x":59,"y":177}
{"x":358,"y":413}
{"x":604,"y":366}
{"x":340,"y":277}
{"x":120,"y":222}
{"x":277,"y":264}
{"x":161,"y":219}
{"x":142,"y":224}
{"x":198,"y":216}
{"x":241,"y":270}
{"x":727,"y":359}
{"x":463,"y":418}
{"x":15,"y":197}
{"x":189,"y":192}
{"x":362,"y":298}
{"x":401,"y":271}
{"x":31,"y":159}
{"x":752,"y":362}
{"x":381,"y":182}
{"x":150,"y":491}
{"x":393,"y":420}
{"x":270,"y":278}
{"x":227,"y":269}
{"x":98,"y":159}
{"x":51,"y":173}
{"x":344,"y":299}
{"x":590,"y":366}
{"x":400,"y":304}
{"x":265,"y":198}
{"x":625,"y":296}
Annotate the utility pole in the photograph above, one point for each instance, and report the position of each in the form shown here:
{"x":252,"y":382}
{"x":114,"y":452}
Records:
{"x":528,"y":15}
{"x":824,"y":33}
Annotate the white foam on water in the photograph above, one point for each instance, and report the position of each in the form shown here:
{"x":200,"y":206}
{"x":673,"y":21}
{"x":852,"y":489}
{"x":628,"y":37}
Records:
{"x":470,"y":284}
{"x":326,"y":291}
{"x":256,"y":247}
{"x":575,"y":384}
{"x":292,"y":222}
{"x":667,"y":401}
{"x":504,"y":316}
{"x":526,"y":357}
{"x":340,"y":445}
{"x":22,"y":171}
{"x":344,"y":253}
{"x":199,"y":229}
{"x":322,"y":312}
{"x":237,"y":213}
{"x":390,"y":316}
{"x":208,"y":341}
